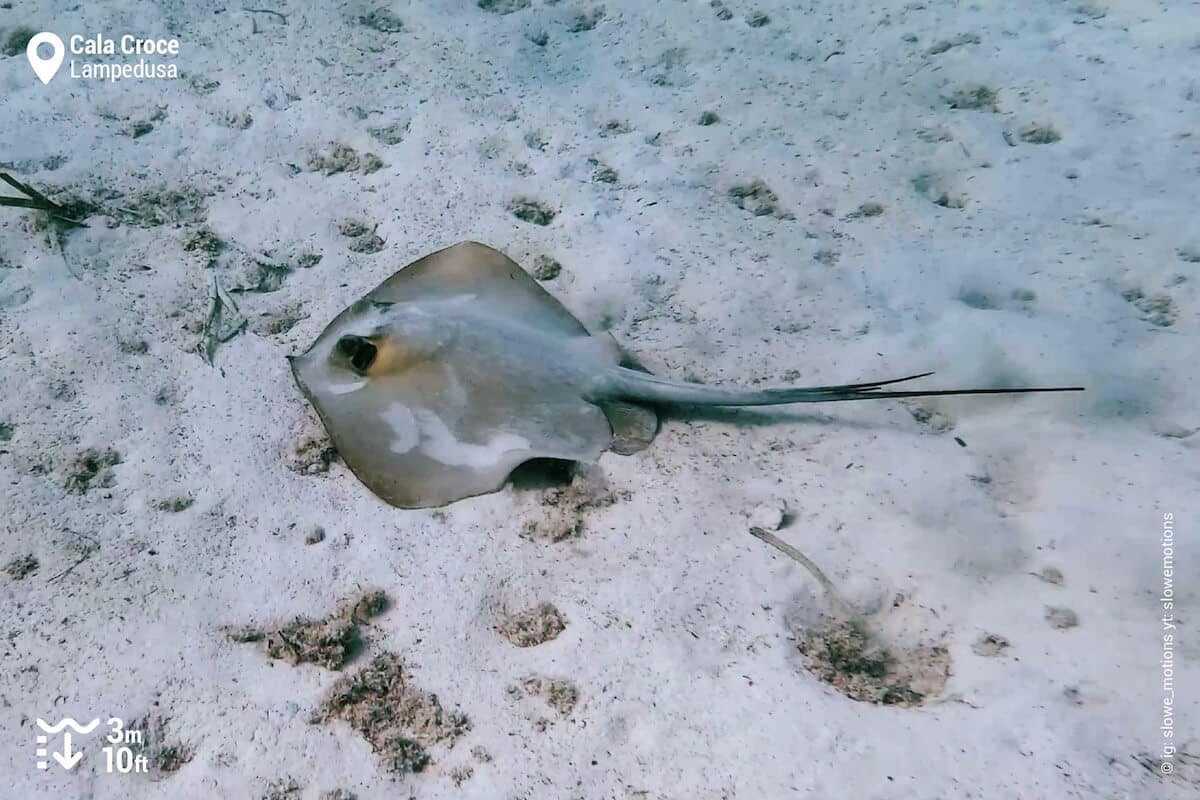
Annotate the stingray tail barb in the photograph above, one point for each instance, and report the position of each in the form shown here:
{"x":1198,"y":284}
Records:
{"x":626,"y":384}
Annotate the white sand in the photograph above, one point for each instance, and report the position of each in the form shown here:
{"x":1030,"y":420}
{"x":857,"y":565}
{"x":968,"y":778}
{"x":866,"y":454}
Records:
{"x":681,"y":626}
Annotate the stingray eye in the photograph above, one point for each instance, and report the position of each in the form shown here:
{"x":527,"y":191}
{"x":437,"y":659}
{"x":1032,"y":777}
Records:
{"x":359,"y":351}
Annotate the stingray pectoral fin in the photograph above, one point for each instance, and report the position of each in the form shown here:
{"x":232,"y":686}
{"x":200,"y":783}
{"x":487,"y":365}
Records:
{"x":635,"y":386}
{"x":413,"y":479}
{"x":413,"y":458}
{"x":473,"y":268}
{"x":409,"y":455}
{"x":436,"y":432}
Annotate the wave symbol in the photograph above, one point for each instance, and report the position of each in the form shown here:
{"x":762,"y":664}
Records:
{"x":68,"y":722}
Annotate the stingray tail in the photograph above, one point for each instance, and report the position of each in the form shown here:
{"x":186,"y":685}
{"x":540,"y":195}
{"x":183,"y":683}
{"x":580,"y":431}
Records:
{"x":628,"y":384}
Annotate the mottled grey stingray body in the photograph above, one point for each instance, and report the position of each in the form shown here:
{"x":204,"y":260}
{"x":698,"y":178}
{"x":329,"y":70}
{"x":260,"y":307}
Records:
{"x":475,"y":370}
{"x":460,"y":367}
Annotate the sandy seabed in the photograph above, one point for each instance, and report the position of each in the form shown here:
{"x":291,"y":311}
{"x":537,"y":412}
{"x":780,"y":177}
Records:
{"x":750,"y":193}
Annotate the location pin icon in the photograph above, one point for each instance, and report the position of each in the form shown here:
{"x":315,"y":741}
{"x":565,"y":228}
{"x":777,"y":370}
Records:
{"x":45,"y":67}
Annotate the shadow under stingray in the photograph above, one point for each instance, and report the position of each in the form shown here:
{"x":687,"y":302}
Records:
{"x":539,"y":474}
